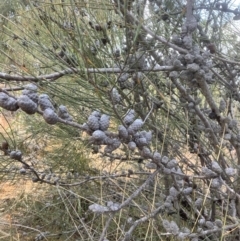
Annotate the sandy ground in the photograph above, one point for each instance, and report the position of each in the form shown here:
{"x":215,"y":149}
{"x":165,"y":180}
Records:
{"x":10,"y":190}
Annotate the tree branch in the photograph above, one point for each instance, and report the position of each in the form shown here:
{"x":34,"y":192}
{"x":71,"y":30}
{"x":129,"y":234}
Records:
{"x":56,"y":75}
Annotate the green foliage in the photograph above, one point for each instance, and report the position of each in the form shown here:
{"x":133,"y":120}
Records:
{"x":172,"y":64}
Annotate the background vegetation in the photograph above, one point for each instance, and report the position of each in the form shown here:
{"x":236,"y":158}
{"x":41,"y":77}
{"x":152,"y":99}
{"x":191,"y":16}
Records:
{"x":122,"y":117}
